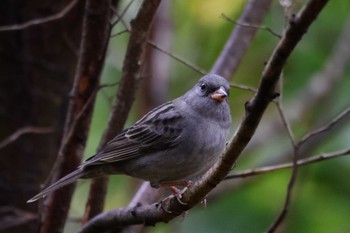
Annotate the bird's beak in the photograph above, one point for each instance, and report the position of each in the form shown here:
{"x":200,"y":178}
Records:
{"x":220,"y":94}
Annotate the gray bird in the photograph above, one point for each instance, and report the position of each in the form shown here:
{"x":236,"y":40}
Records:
{"x":174,"y":143}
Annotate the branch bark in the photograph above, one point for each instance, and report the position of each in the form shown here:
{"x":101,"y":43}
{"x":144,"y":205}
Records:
{"x":125,"y":97}
{"x":153,"y":213}
{"x":92,"y":53}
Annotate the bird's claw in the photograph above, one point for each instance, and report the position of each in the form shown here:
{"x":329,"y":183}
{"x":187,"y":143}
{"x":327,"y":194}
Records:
{"x":178,"y":194}
{"x":162,"y":203}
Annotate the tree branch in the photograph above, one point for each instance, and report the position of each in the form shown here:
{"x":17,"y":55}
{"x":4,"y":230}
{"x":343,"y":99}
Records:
{"x":22,"y":131}
{"x":92,"y":53}
{"x":256,"y":12}
{"x":326,"y":127}
{"x":300,"y":162}
{"x":307,"y":15}
{"x":240,"y":38}
{"x":34,"y":22}
{"x":153,"y":213}
{"x":319,"y":89}
{"x":260,"y":27}
{"x":125,"y":97}
{"x":177,"y":58}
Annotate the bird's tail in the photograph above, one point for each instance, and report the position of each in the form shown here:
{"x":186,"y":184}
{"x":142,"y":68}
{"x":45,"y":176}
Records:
{"x":68,"y":179}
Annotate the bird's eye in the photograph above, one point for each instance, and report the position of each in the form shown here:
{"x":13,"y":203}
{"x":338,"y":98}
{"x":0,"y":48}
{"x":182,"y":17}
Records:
{"x":203,"y":87}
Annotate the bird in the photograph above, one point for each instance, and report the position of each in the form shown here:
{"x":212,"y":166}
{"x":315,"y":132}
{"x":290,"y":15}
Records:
{"x":174,"y":144}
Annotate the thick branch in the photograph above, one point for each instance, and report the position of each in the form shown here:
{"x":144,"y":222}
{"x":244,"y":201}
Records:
{"x":151,"y":214}
{"x":91,"y":58}
{"x":125,"y":96}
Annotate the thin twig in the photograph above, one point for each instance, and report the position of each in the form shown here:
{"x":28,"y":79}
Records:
{"x":22,"y":131}
{"x":280,"y":217}
{"x":42,"y":20}
{"x":155,"y":46}
{"x":296,"y":147}
{"x":120,"y":16}
{"x":285,"y":122}
{"x":177,"y":58}
{"x":326,"y":127}
{"x":251,"y":26}
{"x":241,"y":37}
{"x":243,"y":87}
{"x":300,"y":162}
{"x":70,"y":134}
{"x":120,"y":33}
{"x":108,"y":85}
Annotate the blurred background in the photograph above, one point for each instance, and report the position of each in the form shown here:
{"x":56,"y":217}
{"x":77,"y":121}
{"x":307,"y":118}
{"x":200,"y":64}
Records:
{"x":315,"y":89}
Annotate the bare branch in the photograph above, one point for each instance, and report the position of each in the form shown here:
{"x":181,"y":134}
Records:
{"x":39,"y":21}
{"x":229,"y":58}
{"x":326,"y":127}
{"x":179,"y":59}
{"x":283,"y":213}
{"x":155,"y":46}
{"x":308,"y":13}
{"x":91,"y":58}
{"x":120,"y":16}
{"x":300,"y":162}
{"x":119,"y":33}
{"x":252,"y":26}
{"x":244,"y":87}
{"x":125,"y":96}
{"x":285,"y":122}
{"x":320,"y":87}
{"x":22,"y":131}
{"x":236,"y":46}
{"x":151,"y":214}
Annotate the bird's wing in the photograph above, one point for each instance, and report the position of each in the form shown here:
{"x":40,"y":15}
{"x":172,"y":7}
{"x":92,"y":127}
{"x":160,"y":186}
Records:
{"x":156,"y":131}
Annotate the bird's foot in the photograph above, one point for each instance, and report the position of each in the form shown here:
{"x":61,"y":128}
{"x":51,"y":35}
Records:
{"x":177,"y":192}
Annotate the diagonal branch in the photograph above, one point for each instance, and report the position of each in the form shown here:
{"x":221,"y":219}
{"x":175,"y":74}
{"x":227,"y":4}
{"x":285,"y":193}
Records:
{"x":228,"y":60}
{"x":153,"y":213}
{"x":177,"y":58}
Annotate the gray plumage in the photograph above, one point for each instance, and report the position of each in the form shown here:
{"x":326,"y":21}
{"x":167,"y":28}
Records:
{"x":177,"y":141}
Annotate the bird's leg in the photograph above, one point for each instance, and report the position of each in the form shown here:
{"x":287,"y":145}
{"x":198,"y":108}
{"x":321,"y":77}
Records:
{"x":177,"y":192}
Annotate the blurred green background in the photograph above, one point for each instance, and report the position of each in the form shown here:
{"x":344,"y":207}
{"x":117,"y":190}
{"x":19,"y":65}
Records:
{"x":321,"y":200}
